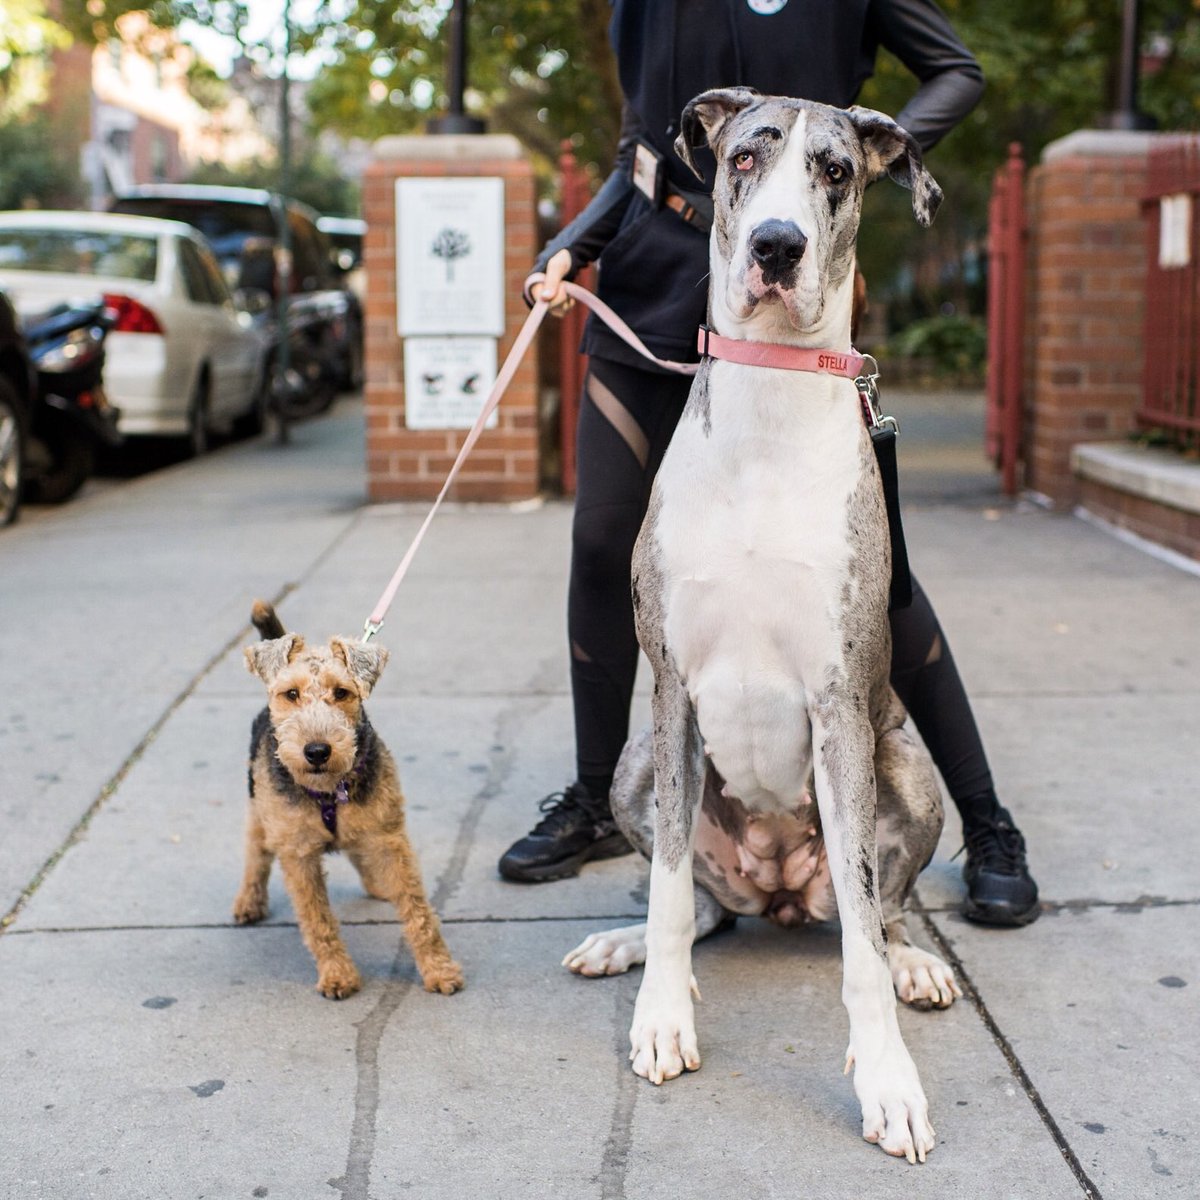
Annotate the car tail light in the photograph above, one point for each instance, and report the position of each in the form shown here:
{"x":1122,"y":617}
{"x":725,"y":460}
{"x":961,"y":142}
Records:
{"x":131,"y":316}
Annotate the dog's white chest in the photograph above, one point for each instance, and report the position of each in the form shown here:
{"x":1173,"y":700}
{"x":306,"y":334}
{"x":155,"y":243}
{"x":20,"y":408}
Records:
{"x":756,"y":551}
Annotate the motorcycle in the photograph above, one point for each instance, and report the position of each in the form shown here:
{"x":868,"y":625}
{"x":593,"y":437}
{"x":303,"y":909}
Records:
{"x":71,"y":415}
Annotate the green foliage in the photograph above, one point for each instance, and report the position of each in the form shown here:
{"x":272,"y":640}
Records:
{"x":1049,"y":70}
{"x":950,"y":345}
{"x":30,"y":176}
{"x":539,"y":69}
{"x":313,"y":179}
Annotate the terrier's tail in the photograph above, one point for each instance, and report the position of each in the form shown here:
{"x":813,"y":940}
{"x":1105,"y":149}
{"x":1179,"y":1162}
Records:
{"x":263,"y":618}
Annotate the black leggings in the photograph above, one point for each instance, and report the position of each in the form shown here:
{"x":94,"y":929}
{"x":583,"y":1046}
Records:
{"x":626,"y":419}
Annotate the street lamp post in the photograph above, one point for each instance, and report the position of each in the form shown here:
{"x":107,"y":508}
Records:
{"x":455,"y":120}
{"x":284,"y":273}
{"x":1126,"y":114}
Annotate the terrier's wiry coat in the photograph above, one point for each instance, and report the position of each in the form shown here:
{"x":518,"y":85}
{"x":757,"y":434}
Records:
{"x":321,"y":780}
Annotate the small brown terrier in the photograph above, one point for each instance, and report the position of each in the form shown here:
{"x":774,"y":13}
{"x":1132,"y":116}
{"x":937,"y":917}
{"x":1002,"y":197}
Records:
{"x":322,"y":780}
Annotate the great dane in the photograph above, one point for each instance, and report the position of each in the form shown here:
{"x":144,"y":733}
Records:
{"x":760,"y":584}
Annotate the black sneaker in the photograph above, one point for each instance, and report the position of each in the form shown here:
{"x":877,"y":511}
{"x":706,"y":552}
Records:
{"x":1000,"y":890}
{"x":577,"y":827}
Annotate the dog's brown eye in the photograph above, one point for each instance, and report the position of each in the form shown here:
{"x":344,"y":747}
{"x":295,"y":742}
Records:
{"x":743,"y":161}
{"x":835,"y":172}
{"x":292,"y":694}
{"x":341,"y":693}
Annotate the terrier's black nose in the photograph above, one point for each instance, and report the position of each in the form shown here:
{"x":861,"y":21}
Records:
{"x":777,"y":246}
{"x":318,"y":753}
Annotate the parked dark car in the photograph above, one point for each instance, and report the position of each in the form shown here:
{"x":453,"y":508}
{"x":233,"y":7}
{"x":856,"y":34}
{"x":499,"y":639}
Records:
{"x":244,"y":226}
{"x":16,"y":399}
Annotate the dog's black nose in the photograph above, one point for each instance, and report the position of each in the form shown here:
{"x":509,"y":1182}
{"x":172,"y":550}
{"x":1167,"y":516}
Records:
{"x":318,"y":753}
{"x":777,"y":246}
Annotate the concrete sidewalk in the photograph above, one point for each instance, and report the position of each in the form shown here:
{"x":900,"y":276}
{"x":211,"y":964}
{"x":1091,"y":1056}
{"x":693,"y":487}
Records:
{"x":151,"y":1049}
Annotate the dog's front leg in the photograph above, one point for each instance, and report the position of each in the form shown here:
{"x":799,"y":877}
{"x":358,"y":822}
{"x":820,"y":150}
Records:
{"x":895,"y":1112}
{"x":337,"y":976}
{"x":663,"y":1035}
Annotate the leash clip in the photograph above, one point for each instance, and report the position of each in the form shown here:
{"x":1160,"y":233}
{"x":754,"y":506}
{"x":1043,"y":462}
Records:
{"x":868,"y":390}
{"x":370,"y":629}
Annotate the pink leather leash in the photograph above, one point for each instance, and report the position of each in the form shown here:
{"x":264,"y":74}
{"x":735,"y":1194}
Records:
{"x":521,"y":344}
{"x":762,"y":354}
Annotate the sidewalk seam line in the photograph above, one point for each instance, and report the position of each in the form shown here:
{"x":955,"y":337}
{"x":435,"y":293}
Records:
{"x":1090,"y":1191}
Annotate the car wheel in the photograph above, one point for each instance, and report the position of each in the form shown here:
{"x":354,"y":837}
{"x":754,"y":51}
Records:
{"x":72,"y":460}
{"x":199,"y":417}
{"x":253,"y":422}
{"x":12,"y":457}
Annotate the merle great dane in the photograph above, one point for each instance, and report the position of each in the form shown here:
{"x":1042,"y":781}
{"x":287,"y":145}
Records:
{"x":760,"y":585}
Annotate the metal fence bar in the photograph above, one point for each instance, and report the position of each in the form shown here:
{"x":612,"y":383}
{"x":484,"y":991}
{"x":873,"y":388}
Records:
{"x":1170,"y":401}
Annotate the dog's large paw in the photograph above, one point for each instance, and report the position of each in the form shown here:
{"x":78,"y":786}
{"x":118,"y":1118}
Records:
{"x":921,"y":978}
{"x":446,"y":978}
{"x":250,"y":905}
{"x":338,"y":980}
{"x":610,"y":953}
{"x":894,"y":1109}
{"x":663,"y":1036}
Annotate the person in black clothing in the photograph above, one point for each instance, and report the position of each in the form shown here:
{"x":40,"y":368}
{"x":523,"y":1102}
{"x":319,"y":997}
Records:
{"x":653,"y":252}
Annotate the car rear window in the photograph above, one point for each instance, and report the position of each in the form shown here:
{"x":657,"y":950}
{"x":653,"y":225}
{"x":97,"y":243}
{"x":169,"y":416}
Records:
{"x":79,"y":252}
{"x":226,"y":223}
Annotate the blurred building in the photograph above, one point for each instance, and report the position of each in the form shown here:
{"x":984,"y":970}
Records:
{"x":128,"y":110}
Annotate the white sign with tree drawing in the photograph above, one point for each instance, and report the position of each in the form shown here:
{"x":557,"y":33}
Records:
{"x":450,"y":256}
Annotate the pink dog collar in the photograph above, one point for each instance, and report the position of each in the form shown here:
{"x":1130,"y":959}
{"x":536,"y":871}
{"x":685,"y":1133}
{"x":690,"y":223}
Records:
{"x":846,"y":363}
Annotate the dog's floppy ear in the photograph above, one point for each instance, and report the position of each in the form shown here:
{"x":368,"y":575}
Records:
{"x":267,"y":659}
{"x":890,"y":148}
{"x":705,"y":116}
{"x":365,"y":663}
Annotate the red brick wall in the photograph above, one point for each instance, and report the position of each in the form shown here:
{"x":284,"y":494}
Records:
{"x":409,"y":464}
{"x":1087,"y":273}
{"x":1174,"y":528}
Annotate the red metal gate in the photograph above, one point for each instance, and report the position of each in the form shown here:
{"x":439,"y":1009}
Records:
{"x":1006,"y":310}
{"x":1172,"y":323}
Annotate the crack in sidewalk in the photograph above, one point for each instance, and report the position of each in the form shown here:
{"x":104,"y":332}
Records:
{"x":355,"y":1183}
{"x":1090,"y":1191}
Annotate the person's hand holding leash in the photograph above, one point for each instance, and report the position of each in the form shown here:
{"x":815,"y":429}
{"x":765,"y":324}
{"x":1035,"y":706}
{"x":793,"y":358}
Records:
{"x":557,"y":269}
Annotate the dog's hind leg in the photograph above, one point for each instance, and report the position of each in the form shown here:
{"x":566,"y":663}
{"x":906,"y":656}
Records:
{"x":389,"y":871}
{"x":616,"y":950}
{"x":908,"y":826}
{"x":894,"y":1109}
{"x":251,"y":902}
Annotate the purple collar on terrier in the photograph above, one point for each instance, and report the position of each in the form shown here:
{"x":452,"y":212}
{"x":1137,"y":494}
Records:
{"x":329,"y":801}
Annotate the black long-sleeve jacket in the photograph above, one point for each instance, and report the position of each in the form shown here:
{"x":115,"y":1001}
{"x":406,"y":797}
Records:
{"x":653,"y":265}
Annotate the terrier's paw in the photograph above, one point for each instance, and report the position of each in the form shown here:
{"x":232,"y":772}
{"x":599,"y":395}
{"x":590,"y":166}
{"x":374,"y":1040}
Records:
{"x":921,"y":978}
{"x":894,"y":1109}
{"x":250,"y":905}
{"x":610,"y":953}
{"x":663,"y":1039}
{"x":338,"y":980}
{"x":446,"y":978}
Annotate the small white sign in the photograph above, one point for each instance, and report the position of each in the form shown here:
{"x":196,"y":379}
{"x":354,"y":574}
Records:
{"x":450,"y":256}
{"x":447,"y":380}
{"x":1175,"y":230}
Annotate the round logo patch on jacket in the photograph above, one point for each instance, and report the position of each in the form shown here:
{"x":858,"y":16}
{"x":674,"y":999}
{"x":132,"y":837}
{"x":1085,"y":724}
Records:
{"x":766,"y":8}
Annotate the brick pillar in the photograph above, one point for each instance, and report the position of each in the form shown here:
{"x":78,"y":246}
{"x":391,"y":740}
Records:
{"x":411,"y":464}
{"x":1087,"y":277}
